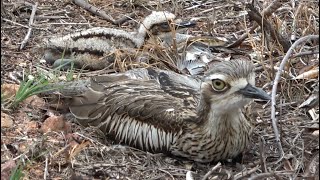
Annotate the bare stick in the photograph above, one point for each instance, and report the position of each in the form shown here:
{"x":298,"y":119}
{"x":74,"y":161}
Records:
{"x":263,"y":22}
{"x":275,"y":85}
{"x":94,"y":10}
{"x":245,"y":173}
{"x":26,"y":38}
{"x":266,"y":12}
{"x":124,"y":18}
{"x":101,"y":13}
{"x":45,"y":174}
{"x":263,"y":155}
{"x":211,"y":171}
{"x":15,"y":23}
{"x":306,"y":53}
{"x":270,"y":174}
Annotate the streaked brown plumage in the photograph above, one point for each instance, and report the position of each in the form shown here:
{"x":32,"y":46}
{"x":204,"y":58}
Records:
{"x":161,"y":111}
{"x":94,"y":48}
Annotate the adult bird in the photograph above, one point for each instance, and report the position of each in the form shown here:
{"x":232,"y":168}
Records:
{"x":161,"y":111}
{"x":94,"y":48}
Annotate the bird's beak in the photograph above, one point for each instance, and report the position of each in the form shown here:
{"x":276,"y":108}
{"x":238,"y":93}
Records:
{"x":184,"y":24}
{"x":165,"y":27}
{"x":255,"y":93}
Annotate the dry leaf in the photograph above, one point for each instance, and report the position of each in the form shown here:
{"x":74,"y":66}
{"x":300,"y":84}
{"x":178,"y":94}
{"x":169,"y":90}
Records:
{"x":311,"y":74}
{"x":316,"y":133}
{"x":313,"y":114}
{"x":75,"y":149}
{"x":6,"y":120}
{"x":55,"y":123}
{"x":32,"y":126}
{"x":287,"y":165}
{"x":6,"y":169}
{"x":189,"y":176}
{"x":313,"y":167}
{"x":35,"y":102}
{"x":9,"y":90}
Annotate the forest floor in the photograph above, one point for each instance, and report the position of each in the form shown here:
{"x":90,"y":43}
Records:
{"x":38,"y":143}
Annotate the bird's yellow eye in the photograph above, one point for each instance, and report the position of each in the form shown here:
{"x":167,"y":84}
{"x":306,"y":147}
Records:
{"x":218,"y":85}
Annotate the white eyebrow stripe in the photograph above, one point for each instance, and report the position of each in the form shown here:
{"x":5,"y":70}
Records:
{"x":240,"y":83}
{"x":216,"y":76}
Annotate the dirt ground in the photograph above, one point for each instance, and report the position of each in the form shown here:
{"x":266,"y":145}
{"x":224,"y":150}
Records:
{"x":39,"y":143}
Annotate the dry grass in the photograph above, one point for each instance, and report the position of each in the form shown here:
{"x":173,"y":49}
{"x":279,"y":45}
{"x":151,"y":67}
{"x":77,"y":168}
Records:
{"x":80,"y":152}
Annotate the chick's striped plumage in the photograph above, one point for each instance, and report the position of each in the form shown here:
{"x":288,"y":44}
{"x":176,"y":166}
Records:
{"x":161,"y":111}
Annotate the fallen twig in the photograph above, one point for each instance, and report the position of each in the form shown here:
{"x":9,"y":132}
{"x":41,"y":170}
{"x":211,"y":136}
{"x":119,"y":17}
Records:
{"x":267,"y":27}
{"x":211,"y":171}
{"x":275,"y":85}
{"x":306,"y":53}
{"x":26,"y":38}
{"x":12,"y":22}
{"x":270,"y":174}
{"x":94,"y":10}
{"x":266,"y":12}
{"x":245,"y":173}
{"x":45,"y":174}
{"x":263,"y":155}
{"x":85,"y":5}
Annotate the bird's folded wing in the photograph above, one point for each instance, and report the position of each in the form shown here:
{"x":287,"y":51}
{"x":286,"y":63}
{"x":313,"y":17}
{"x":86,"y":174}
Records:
{"x":141,"y":113}
{"x":147,"y":101}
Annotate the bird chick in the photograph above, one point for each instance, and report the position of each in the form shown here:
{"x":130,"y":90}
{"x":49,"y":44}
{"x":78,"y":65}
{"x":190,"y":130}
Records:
{"x":94,"y":48}
{"x":198,"y":53}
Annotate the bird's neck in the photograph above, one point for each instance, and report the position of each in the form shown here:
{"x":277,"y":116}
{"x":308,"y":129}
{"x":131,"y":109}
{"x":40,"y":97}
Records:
{"x":141,"y":34}
{"x":216,"y":122}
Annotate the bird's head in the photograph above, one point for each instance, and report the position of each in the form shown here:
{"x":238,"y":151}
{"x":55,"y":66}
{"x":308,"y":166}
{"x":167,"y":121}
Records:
{"x":230,"y":85}
{"x":160,"y":22}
